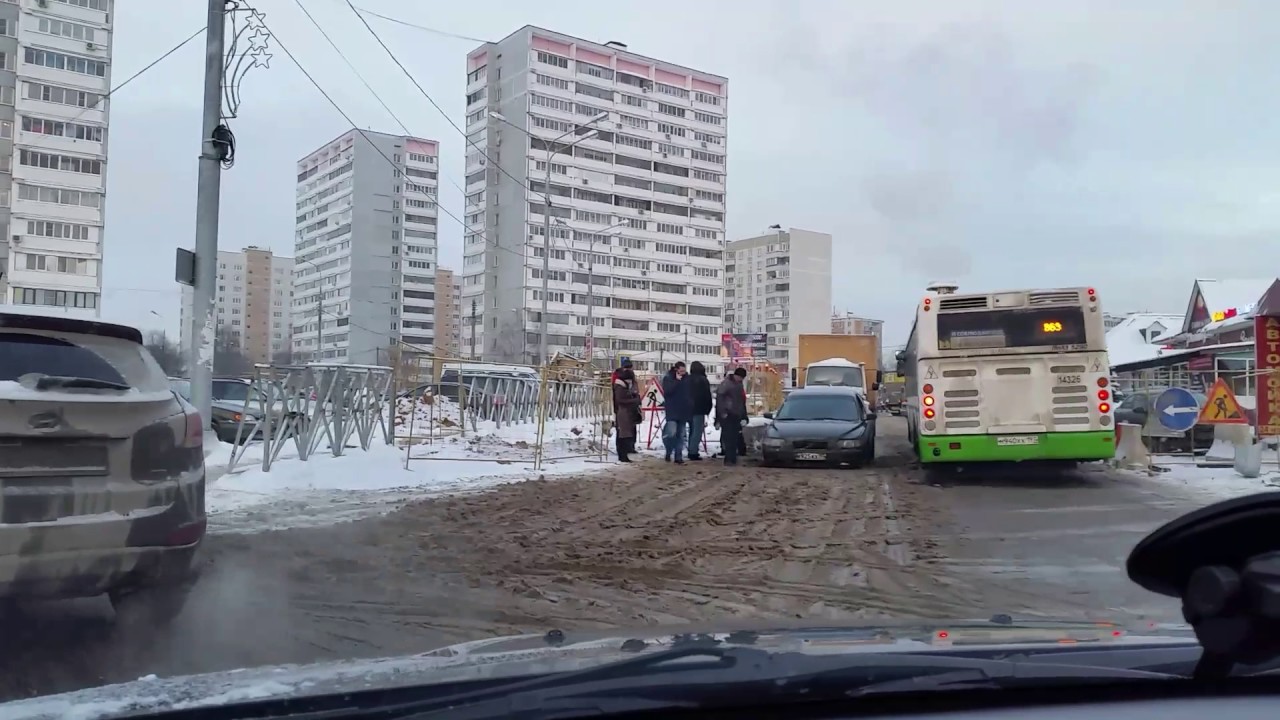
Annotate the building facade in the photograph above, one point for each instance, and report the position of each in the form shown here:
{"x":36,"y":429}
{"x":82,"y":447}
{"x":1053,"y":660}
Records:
{"x":55,"y":73}
{"x":365,"y":248}
{"x":448,"y":315}
{"x":850,"y":324}
{"x":251,"y":304}
{"x":779,"y":283}
{"x":635,"y":151}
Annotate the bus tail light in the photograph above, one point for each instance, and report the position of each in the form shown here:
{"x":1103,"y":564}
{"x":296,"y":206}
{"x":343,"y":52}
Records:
{"x":1093,"y":295}
{"x":1104,"y":408}
{"x":927,"y":303}
{"x":928,"y":389}
{"x":1104,"y":395}
{"x":1103,"y":382}
{"x":928,"y":401}
{"x":929,"y":413}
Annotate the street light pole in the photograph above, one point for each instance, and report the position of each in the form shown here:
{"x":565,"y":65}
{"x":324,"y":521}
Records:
{"x":552,"y":149}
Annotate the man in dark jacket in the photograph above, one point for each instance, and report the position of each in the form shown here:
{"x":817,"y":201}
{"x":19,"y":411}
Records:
{"x":731,"y":411}
{"x":700,"y":397}
{"x":677,"y":405}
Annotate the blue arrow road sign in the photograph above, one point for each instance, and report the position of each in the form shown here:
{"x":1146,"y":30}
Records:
{"x":1177,"y":409}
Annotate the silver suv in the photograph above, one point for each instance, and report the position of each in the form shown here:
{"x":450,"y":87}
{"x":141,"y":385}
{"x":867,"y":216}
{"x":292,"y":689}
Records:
{"x":102,"y":480}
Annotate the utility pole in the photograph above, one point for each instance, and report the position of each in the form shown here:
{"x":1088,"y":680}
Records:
{"x":591,"y":297}
{"x":546,"y":256}
{"x":473,"y":328}
{"x":319,"y":321}
{"x":686,"y":345}
{"x":208,"y":198}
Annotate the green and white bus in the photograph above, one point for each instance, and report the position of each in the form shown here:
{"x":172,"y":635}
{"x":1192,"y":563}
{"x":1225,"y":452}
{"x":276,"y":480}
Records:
{"x":1018,"y":375}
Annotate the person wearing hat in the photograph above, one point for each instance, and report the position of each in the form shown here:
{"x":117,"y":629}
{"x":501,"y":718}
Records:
{"x":613,"y":377}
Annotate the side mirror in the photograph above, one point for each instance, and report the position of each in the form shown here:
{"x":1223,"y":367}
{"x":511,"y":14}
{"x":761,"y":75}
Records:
{"x":768,"y":416}
{"x":875,"y":385}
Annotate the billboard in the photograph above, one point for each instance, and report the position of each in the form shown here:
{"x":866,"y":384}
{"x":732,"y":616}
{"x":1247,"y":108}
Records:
{"x":744,"y":347}
{"x":1266,"y":344}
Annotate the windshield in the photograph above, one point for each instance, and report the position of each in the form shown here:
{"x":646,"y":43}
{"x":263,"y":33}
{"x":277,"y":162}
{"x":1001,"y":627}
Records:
{"x":967,"y":296}
{"x":846,"y":408}
{"x":827,"y":375}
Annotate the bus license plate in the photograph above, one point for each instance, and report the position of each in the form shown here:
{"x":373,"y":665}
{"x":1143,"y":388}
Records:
{"x":1018,"y":440}
{"x":811,"y":456}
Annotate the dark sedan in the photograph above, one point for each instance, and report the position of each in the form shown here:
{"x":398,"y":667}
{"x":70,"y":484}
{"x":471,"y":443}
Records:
{"x":821,"y":425}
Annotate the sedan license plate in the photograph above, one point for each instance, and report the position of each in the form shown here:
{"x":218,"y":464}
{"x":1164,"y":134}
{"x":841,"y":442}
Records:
{"x":811,"y":456}
{"x":1018,"y":440}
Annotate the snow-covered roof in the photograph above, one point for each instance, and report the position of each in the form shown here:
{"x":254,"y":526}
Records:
{"x":1132,"y":340}
{"x":1221,"y":295}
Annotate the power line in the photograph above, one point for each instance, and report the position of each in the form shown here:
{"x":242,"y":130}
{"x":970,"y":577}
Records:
{"x":137,"y":74}
{"x":424,"y":28}
{"x":434,"y":104}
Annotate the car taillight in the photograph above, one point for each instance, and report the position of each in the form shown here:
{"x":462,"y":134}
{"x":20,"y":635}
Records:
{"x":195,"y":432}
{"x":159,"y":454}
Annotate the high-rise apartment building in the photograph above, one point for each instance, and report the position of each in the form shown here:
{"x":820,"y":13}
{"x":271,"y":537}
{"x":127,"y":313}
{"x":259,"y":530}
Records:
{"x":779,"y":283}
{"x":55,"y":73}
{"x":251,"y":303}
{"x":634,"y":149}
{"x":850,"y":324}
{"x":448,"y":312}
{"x":365,"y":248}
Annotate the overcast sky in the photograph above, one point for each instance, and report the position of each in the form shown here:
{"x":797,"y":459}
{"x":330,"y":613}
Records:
{"x":1130,"y":146}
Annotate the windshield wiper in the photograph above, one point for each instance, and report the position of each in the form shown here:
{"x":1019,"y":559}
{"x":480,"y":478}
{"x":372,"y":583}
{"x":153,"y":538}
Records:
{"x":709,"y":676}
{"x":54,"y":382}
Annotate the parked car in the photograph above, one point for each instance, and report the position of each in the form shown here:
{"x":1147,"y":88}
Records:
{"x":831,"y":425}
{"x":225,"y":417}
{"x":102,"y":479}
{"x":1136,"y":406}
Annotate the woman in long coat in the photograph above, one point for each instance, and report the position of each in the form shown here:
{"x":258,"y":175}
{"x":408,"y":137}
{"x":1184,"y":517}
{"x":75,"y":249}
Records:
{"x":626,"y":400}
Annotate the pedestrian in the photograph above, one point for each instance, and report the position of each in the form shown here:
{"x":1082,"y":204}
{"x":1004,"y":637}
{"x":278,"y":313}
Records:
{"x":700,"y":396}
{"x":677,"y":405}
{"x":626,"y":414}
{"x":731,"y":412}
{"x":613,"y":376}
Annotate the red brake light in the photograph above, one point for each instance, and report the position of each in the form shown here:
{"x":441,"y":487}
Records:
{"x":1102,"y":382}
{"x":1104,"y":395}
{"x":195,"y":432}
{"x":928,"y":389}
{"x":929,"y":413}
{"x":1092,"y":291}
{"x":1104,"y":407}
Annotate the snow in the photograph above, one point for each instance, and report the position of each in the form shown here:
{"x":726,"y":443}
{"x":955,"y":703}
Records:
{"x":1126,"y":344}
{"x":1209,"y":484}
{"x":326,"y":489}
{"x":1220,"y":295}
{"x":14,"y":390}
{"x":835,"y":362}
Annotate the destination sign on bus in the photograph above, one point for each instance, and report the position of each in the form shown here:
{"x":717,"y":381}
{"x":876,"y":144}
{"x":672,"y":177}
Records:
{"x":1016,"y":328}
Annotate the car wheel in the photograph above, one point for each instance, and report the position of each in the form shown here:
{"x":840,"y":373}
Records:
{"x":869,"y":457}
{"x":149,"y":606}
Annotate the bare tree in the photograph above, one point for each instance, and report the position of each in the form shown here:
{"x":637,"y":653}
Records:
{"x":168,"y":354}
{"x":228,"y":357}
{"x":508,"y":342}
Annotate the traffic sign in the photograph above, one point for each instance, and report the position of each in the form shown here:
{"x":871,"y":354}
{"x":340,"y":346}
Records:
{"x":1221,"y":407}
{"x":1177,"y":409}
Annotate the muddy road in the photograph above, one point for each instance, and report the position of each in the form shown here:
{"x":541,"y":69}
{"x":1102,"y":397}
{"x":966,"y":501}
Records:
{"x":650,"y":544}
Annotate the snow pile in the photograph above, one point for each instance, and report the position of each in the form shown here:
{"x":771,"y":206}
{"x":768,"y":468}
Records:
{"x":326,"y":489}
{"x":427,"y":416}
{"x":1208,"y":484}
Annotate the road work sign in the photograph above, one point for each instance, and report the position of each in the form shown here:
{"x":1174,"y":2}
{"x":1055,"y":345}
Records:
{"x":1221,"y":407}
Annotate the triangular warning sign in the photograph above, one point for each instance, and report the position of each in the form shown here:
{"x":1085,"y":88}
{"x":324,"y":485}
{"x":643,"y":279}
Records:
{"x":1221,"y":407}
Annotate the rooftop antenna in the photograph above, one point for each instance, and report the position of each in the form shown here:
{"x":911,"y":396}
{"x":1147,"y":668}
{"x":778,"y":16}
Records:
{"x":943,"y":287}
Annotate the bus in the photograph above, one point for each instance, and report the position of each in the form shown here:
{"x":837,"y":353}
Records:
{"x":1010,"y":376}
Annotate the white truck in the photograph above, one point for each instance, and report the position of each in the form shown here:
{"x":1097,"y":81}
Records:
{"x":838,"y":372}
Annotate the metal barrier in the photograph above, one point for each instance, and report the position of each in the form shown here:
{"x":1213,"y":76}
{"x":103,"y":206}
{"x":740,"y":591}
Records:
{"x":449,"y":397}
{"x":305,"y":405}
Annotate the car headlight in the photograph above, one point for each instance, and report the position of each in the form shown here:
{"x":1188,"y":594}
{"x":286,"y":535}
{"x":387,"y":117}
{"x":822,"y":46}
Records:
{"x":846,"y":444}
{"x":773,"y":442}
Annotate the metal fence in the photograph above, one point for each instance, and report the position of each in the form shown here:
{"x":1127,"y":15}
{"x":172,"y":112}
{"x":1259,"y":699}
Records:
{"x":451,"y":397}
{"x":306,"y":405}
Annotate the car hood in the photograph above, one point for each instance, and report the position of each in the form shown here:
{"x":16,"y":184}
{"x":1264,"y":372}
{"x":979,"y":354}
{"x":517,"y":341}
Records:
{"x":814,"y":429}
{"x":559,"y":652}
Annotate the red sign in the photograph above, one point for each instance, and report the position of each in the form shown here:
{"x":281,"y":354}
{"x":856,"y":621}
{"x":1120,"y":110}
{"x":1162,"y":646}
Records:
{"x":1266,"y":347}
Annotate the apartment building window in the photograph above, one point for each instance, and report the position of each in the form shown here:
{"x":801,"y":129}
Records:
{"x":7,"y":61}
{"x":103,"y":5}
{"x":61,"y":95}
{"x":59,"y":196}
{"x":63,"y":61}
{"x":65,"y":163}
{"x":56,"y":298}
{"x":75,"y":131}
{"x":64,"y":28}
{"x":9,"y":27}
{"x":547,"y":58}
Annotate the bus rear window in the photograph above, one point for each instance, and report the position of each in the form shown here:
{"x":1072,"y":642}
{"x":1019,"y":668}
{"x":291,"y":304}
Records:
{"x":1020,"y":328}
